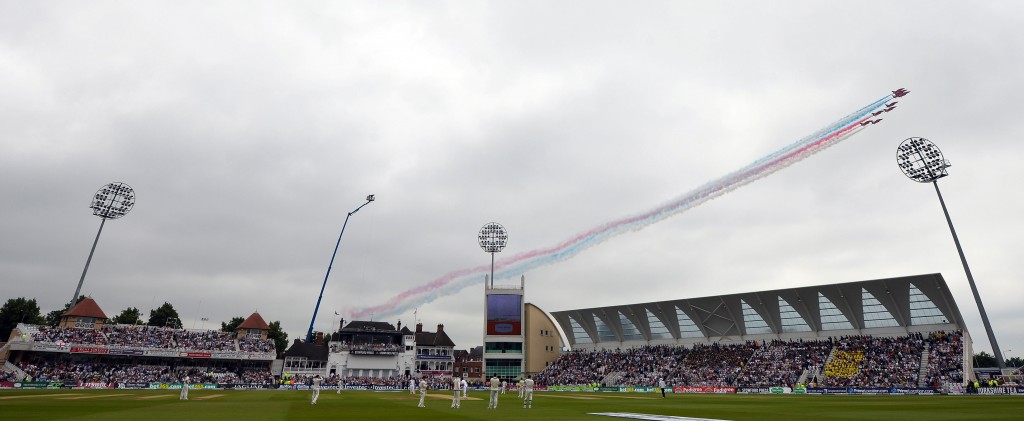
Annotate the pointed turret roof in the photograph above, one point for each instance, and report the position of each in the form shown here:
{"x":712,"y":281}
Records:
{"x":86,"y":308}
{"x":255,"y":321}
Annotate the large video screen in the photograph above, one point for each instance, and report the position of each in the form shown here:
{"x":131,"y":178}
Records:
{"x":504,"y":314}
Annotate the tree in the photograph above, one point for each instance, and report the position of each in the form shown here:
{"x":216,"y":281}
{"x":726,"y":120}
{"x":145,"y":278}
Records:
{"x":984,"y":359}
{"x":279,"y":336}
{"x":165,"y":315}
{"x":128,"y":316}
{"x":18,"y":310}
{"x":232,"y":325}
{"x":53,"y":317}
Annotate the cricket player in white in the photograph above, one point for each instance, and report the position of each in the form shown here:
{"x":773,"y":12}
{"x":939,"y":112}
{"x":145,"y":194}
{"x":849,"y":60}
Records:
{"x":519,"y":386}
{"x":184,"y":388}
{"x":456,"y":383}
{"x":495,"y":388}
{"x":423,"y":392}
{"x":316,"y":388}
{"x":528,"y":392}
{"x":412,"y":386}
{"x":503,"y":387}
{"x":465,"y":386}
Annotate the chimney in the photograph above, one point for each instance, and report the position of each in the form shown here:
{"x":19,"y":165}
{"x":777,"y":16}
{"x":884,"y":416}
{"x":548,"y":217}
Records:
{"x":342,"y":324}
{"x":399,"y":328}
{"x":419,"y":327}
{"x":440,"y":328}
{"x":319,"y":338}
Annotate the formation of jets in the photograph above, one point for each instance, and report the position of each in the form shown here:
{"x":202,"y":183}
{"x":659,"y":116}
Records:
{"x":888,"y":107}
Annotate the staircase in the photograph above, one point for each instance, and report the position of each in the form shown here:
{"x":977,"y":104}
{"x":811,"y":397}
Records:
{"x":922,"y":374}
{"x":803,"y":376}
{"x":21,"y":339}
{"x":5,"y":352}
{"x":11,"y":368}
{"x":611,"y":379}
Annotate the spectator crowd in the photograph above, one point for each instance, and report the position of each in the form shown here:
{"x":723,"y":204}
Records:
{"x":152,"y":337}
{"x":70,"y":371}
{"x":914,"y":360}
{"x":848,"y":361}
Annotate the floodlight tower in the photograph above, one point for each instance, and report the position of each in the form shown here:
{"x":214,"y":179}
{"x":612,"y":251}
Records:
{"x":111,"y":201}
{"x":492,"y":238}
{"x":309,"y":333}
{"x":922,"y":161}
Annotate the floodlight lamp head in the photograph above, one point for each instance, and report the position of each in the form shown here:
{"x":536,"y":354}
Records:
{"x":492,"y":237}
{"x":113,"y":201}
{"x":369,"y":198}
{"x":920,"y":160}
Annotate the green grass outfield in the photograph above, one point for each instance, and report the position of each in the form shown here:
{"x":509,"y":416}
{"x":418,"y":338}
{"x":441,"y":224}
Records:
{"x":251,"y":405}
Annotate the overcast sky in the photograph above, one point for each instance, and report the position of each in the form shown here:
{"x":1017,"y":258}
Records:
{"x":249,"y":129}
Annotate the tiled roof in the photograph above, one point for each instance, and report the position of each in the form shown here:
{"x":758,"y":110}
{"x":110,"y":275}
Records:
{"x":433,"y":339}
{"x":86,"y":308}
{"x":255,"y":321}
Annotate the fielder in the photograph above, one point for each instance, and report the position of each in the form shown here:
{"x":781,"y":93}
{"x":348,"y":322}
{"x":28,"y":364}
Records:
{"x":423,"y":392}
{"x":184,"y":388}
{"x":316,"y":388}
{"x":412,"y":386}
{"x":456,"y":383}
{"x":465,"y":387}
{"x":519,"y":386}
{"x":528,"y":392}
{"x":495,"y":388}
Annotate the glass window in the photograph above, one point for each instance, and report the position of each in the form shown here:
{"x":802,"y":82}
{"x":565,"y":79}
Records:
{"x":604,"y":333}
{"x":831,"y":317}
{"x":687,"y":328}
{"x":578,"y":334}
{"x":658,"y":329}
{"x":791,"y":320}
{"x":503,"y":347}
{"x":922,"y":310}
{"x":505,"y":369}
{"x":753,"y":323}
{"x":875,"y":314}
{"x":629,"y":330}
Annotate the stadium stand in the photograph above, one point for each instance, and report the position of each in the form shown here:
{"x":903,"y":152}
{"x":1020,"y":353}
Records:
{"x":849,"y":361}
{"x":945,"y":359}
{"x":104,"y":355}
{"x":783,"y":362}
{"x":149,"y":337}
